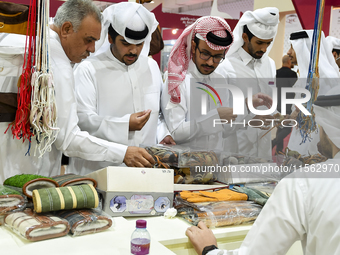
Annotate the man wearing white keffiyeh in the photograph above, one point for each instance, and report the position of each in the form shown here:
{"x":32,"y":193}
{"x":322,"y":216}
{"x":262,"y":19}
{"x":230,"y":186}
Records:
{"x":300,"y":53}
{"x":118,"y":90}
{"x":334,"y":44}
{"x":196,"y":54}
{"x":302,"y":206}
{"x":247,"y":65}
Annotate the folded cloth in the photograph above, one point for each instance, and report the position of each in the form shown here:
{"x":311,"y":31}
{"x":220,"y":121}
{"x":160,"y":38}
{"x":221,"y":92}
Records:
{"x":85,"y":221}
{"x":29,"y":182}
{"x":73,"y":179}
{"x":10,"y":200}
{"x":253,"y":194}
{"x":213,"y":196}
{"x":218,"y":214}
{"x":65,"y":198}
{"x":35,"y":227}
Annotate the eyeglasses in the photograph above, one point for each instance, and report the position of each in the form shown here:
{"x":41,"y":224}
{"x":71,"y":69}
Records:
{"x":206,"y":56}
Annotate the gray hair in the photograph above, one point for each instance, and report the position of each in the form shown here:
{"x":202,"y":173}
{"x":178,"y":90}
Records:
{"x":75,"y":11}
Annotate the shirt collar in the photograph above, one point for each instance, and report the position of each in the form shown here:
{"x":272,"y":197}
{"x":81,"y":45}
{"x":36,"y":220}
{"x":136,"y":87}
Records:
{"x":246,"y":57}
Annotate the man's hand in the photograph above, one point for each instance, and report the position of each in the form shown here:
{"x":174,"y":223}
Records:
{"x":201,"y":237}
{"x":168,"y":140}
{"x":138,"y":120}
{"x":260,"y":99}
{"x":294,"y":114}
{"x":138,"y":157}
{"x":267,"y":121}
{"x":226,"y":113}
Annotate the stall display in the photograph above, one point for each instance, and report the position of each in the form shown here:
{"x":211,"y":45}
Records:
{"x":212,"y":196}
{"x":35,"y":227}
{"x":73,"y":179}
{"x":29,"y":182}
{"x":253,"y":194}
{"x":64,"y":198}
{"x":10,"y":201}
{"x":295,"y":160}
{"x":85,"y":221}
{"x":218,"y":214}
{"x":184,"y":161}
{"x":131,"y":192}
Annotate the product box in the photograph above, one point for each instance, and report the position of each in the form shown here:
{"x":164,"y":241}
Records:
{"x":129,"y":191}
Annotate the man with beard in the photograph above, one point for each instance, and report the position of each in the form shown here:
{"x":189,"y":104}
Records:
{"x":191,"y":72}
{"x":247,"y":65}
{"x":118,"y":90}
{"x":76,"y":28}
{"x":328,"y":73}
{"x":334,"y":44}
{"x":302,"y":206}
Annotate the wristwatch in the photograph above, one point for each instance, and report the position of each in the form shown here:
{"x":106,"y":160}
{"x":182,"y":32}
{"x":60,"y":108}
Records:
{"x":208,"y":248}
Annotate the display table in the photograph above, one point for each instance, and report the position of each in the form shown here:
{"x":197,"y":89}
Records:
{"x":167,"y":237}
{"x":171,"y":233}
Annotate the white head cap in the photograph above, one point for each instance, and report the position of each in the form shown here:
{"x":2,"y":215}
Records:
{"x":328,"y":70}
{"x":262,"y":23}
{"x":130,"y":20}
{"x":327,"y":114}
{"x":334,"y":43}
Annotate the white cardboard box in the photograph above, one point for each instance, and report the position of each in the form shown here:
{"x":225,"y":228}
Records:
{"x":128,"y":191}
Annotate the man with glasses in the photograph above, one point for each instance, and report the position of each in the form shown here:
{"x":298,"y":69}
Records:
{"x":195,"y":56}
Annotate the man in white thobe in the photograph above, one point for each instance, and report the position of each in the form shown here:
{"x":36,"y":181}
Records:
{"x":76,"y":27}
{"x":193,"y":60}
{"x":118,"y":91}
{"x":302,"y":207}
{"x":299,"y":53}
{"x":334,"y":45}
{"x":247,"y":64}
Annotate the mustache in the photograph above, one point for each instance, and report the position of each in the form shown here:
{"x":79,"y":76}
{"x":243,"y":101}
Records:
{"x":205,"y":65}
{"x":260,"y":52}
{"x":131,"y":55}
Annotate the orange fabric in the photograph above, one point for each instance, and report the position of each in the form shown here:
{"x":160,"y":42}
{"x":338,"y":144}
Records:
{"x":212,"y":196}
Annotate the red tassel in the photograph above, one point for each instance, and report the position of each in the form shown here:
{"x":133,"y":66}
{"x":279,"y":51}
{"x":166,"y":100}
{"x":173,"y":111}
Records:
{"x":21,"y":128}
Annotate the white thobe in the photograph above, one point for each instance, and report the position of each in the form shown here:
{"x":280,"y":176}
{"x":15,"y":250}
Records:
{"x":300,"y":208}
{"x":108,"y":92}
{"x":309,"y":147}
{"x":71,"y":140}
{"x":243,"y":71}
{"x":185,"y":120}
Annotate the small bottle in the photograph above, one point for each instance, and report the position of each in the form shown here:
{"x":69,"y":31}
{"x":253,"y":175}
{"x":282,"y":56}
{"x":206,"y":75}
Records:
{"x":140,"y":239}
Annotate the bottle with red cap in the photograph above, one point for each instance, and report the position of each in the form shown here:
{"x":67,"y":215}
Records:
{"x":140,"y":239}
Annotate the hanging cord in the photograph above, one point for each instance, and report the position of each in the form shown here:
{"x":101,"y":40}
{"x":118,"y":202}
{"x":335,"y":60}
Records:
{"x":43,"y":115}
{"x":307,"y":124}
{"x":21,"y":126}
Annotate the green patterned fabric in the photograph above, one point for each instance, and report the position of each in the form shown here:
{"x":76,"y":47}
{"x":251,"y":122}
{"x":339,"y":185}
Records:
{"x":7,"y":191}
{"x":253,"y":194}
{"x":65,"y":198}
{"x":20,"y":179}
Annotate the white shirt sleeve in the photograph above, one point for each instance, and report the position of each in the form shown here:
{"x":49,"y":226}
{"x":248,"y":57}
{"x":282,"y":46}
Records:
{"x":180,"y":127}
{"x":113,"y":129}
{"x":71,"y":140}
{"x":281,"y":222}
